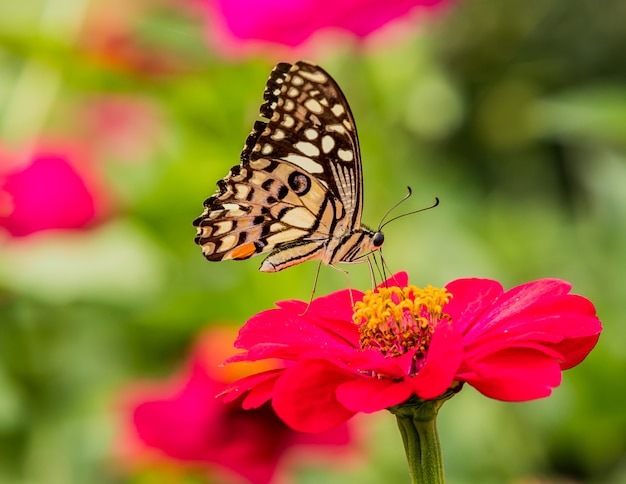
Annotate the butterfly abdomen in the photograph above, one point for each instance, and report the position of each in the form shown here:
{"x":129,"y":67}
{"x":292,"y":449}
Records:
{"x":348,"y":249}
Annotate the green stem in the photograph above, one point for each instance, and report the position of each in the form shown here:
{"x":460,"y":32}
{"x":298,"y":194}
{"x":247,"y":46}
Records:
{"x":417,"y":421}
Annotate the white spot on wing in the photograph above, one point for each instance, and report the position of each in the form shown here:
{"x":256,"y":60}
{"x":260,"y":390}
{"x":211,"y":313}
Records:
{"x":328,"y":143}
{"x":299,"y":217}
{"x":231,"y":207}
{"x":260,"y":164}
{"x":338,"y":110}
{"x":307,"y":148}
{"x":233,"y":210}
{"x":285,"y":235}
{"x":223,"y":227}
{"x":278,"y":135}
{"x":227,"y":242}
{"x":316,"y":76}
{"x":277,"y":227}
{"x":313,"y":106}
{"x":242,"y":191}
{"x":208,"y":248}
{"x":288,"y":121}
{"x":337,"y":128}
{"x":345,"y":155}
{"x":305,"y":163}
{"x":267,"y":149}
{"x":311,"y":133}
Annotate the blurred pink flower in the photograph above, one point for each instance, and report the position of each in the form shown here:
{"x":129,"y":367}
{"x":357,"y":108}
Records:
{"x":183,"y":422}
{"x":127,"y":127}
{"x":292,"y":22}
{"x":52,"y":187}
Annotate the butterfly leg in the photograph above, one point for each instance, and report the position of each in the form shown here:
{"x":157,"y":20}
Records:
{"x":372,"y":274}
{"x":385,"y":267}
{"x":317,"y":274}
{"x":347,"y":274}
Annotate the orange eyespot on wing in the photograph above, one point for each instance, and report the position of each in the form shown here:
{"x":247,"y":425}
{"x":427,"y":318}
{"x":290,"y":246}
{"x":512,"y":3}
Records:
{"x":243,"y":252}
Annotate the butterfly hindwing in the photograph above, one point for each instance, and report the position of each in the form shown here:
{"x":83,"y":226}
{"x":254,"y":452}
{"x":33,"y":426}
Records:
{"x":260,"y":206}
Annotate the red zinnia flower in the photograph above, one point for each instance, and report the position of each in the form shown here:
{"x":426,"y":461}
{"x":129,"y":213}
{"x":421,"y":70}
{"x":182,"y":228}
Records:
{"x":403,"y":342}
{"x":181,"y":422}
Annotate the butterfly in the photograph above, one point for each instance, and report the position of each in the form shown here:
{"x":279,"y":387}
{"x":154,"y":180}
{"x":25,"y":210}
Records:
{"x":298,"y":192}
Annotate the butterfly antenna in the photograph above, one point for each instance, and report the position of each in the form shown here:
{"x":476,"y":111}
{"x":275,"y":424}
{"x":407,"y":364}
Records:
{"x":383,"y":222}
{"x":402,"y":200}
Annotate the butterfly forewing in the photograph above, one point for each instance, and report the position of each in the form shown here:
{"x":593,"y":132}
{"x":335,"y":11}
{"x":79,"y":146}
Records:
{"x":298,"y":189}
{"x":311,"y":125}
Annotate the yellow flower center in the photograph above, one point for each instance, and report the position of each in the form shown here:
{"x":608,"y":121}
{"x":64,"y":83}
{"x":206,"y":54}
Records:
{"x":394,"y":320}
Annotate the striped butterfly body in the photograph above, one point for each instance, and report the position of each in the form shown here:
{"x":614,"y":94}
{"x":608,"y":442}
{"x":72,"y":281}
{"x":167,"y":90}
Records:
{"x":298,"y":192}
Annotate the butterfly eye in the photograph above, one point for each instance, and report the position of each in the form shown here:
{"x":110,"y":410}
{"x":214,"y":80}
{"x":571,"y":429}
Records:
{"x":378,"y":239}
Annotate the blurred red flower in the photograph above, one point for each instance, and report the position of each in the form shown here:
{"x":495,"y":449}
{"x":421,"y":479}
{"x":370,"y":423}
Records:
{"x":292,"y":22}
{"x":53,"y":187}
{"x":183,"y":422}
{"x":510,"y":345}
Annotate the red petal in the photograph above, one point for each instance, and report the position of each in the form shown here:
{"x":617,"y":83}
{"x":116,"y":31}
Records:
{"x":529,"y":299}
{"x":279,"y":327}
{"x":445,"y":354}
{"x":260,"y":394}
{"x":576,"y":350}
{"x":371,"y":394}
{"x":336,"y":306}
{"x":286,"y":328}
{"x":399,"y":279}
{"x":470,"y":298}
{"x":518,"y":374}
{"x":240,"y":387}
{"x":552,"y":332}
{"x":539,"y":318}
{"x":305,"y":396}
{"x":374,"y":361}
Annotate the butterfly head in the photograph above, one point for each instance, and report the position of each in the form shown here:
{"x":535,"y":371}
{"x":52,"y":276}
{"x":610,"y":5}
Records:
{"x":378,"y":239}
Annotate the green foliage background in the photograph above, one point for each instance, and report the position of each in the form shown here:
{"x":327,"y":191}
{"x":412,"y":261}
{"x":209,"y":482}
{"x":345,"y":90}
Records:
{"x":512,"y":113}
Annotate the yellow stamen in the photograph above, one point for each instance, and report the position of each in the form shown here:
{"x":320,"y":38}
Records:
{"x":394,"y":320}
